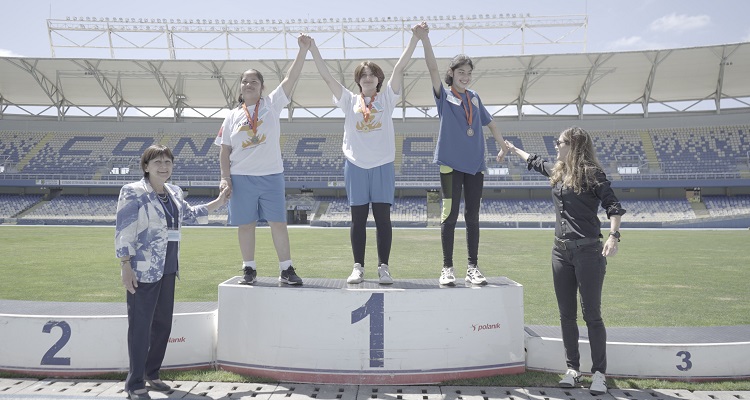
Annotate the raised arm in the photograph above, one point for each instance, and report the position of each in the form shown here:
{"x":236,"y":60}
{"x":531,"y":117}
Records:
{"x":332,"y":83}
{"x":397,"y":78}
{"x":294,"y":71}
{"x":429,"y":57}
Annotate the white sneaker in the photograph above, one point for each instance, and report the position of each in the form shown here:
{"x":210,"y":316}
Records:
{"x":446,"y":277}
{"x":598,"y":384}
{"x":358,"y":274}
{"x":384,"y":275}
{"x":570,"y":379}
{"x":474,"y":276}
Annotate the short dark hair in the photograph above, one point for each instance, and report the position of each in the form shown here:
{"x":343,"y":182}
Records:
{"x":152,"y":152}
{"x":260,"y":78}
{"x":374,"y":68}
{"x":457,"y":61}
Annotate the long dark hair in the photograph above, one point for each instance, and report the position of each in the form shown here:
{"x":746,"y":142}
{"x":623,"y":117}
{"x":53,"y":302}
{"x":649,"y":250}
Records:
{"x":457,"y":61}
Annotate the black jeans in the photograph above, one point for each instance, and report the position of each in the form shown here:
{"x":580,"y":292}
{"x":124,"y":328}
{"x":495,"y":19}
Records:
{"x":150,"y":312}
{"x":452,"y":185}
{"x":581,"y":269}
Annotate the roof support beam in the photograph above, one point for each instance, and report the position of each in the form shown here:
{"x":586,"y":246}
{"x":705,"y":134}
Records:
{"x":176,"y":103}
{"x":531,"y":75}
{"x":52,"y":90}
{"x":112,"y":91}
{"x":726,"y":52}
{"x":656,"y":59}
{"x":591,"y":78}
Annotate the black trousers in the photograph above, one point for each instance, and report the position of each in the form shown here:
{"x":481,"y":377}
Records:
{"x":581,"y":270}
{"x":150,"y":312}
{"x":384,"y":231}
{"x":452,"y":185}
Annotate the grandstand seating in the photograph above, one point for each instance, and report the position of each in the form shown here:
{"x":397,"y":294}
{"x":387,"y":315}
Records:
{"x":318,"y":155}
{"x":12,"y":204}
{"x":100,"y":208}
{"x":408,"y":210}
{"x":15,"y":145}
{"x":701,"y":150}
{"x":719,"y":149}
{"x":720,"y":206}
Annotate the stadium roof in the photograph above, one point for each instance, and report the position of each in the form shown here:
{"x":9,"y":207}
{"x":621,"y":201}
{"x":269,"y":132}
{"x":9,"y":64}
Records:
{"x":578,"y":84}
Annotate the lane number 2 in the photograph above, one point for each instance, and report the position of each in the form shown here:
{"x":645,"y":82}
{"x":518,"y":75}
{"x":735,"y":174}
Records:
{"x":49,"y":357}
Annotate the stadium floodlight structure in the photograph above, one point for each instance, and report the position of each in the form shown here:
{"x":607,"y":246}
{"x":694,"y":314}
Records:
{"x":480,"y":34}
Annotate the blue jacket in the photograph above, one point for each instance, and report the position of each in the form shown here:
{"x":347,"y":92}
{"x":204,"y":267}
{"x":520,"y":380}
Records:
{"x":141,"y":227}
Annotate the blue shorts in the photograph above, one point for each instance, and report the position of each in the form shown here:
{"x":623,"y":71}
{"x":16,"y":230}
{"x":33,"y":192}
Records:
{"x":373,"y":185}
{"x":257,"y":198}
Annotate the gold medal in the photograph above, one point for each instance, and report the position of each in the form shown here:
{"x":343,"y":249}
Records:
{"x":470,"y":132}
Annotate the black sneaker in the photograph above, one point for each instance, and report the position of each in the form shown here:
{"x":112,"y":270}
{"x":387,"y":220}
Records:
{"x":289,"y":277}
{"x":250,"y":275}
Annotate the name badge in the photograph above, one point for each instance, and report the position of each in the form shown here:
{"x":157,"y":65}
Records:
{"x":454,"y":100}
{"x":174,"y":235}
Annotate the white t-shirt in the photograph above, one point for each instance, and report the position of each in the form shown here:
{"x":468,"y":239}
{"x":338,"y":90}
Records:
{"x":255,"y":153}
{"x":369,"y":144}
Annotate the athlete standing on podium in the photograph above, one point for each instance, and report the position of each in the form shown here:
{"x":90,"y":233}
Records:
{"x":252,"y":169}
{"x":370,"y":151}
{"x":460,"y":152}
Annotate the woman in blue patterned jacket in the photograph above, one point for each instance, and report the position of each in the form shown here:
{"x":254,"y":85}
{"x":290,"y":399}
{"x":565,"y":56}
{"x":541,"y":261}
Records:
{"x":150,"y":213}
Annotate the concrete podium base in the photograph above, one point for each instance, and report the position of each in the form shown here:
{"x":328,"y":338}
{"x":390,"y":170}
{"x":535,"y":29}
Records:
{"x":411,"y":332}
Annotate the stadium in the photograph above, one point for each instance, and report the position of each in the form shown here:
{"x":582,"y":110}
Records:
{"x":670,"y":126}
{"x":671,"y":129}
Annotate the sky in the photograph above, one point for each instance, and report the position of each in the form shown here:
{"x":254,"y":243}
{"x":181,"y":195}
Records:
{"x":612,"y":25}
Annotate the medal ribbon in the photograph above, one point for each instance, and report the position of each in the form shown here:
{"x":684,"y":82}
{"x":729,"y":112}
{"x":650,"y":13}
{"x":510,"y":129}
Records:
{"x":469,"y":112}
{"x":254,"y":120}
{"x":366,"y":109}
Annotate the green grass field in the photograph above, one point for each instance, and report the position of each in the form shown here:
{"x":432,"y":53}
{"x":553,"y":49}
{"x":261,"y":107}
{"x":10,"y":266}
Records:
{"x":659,"y":277}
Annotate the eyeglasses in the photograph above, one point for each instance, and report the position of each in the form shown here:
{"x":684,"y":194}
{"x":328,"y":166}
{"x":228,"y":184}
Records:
{"x":558,"y":141}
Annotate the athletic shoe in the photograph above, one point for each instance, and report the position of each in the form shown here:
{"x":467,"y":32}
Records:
{"x":250,"y":275}
{"x":158,"y":385}
{"x":384,"y":275}
{"x":358,"y":274}
{"x":570,"y":379}
{"x":598,"y":384}
{"x":138,"y":394}
{"x":446,"y":277}
{"x":289,"y":277}
{"x":474,"y":276}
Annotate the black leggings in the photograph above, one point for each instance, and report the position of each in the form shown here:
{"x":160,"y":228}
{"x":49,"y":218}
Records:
{"x":384,"y":231}
{"x":452,"y":184}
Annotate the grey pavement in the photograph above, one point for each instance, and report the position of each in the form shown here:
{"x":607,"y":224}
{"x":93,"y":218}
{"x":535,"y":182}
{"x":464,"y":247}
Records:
{"x":42,"y":389}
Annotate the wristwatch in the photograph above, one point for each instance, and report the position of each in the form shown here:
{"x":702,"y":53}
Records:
{"x":615,"y":234}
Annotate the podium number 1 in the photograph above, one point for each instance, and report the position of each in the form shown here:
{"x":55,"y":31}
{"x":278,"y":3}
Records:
{"x":375,"y":308}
